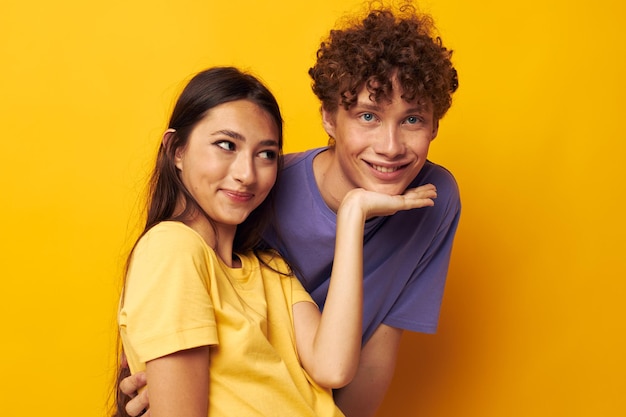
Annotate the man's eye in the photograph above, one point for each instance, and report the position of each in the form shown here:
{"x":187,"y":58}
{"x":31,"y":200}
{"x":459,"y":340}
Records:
{"x":412,"y":120}
{"x":226,"y":145}
{"x":368,"y":117}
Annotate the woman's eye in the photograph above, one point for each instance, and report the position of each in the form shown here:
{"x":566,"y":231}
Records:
{"x":226,"y":145}
{"x":271,"y":155}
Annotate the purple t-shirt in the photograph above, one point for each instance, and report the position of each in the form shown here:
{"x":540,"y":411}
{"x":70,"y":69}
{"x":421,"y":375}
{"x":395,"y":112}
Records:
{"x":406,"y":255}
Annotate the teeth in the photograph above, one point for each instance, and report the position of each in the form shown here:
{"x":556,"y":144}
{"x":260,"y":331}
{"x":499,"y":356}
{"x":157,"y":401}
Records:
{"x":384,"y":169}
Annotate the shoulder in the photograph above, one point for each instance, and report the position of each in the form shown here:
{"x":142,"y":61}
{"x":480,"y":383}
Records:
{"x":301,"y":158}
{"x":447,"y":208}
{"x":442,"y":178}
{"x":433,"y":170}
{"x":172,"y":233}
{"x":279,"y":273}
{"x":169,"y":238}
{"x":169,"y":249}
{"x":273,"y":260}
{"x":296,"y":178}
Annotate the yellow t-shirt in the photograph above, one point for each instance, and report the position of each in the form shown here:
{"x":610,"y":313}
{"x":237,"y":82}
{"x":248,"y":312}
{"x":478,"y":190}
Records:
{"x":179,"y":295}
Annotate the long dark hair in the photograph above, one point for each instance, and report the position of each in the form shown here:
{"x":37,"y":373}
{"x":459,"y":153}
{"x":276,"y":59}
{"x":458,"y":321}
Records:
{"x":204,"y":91}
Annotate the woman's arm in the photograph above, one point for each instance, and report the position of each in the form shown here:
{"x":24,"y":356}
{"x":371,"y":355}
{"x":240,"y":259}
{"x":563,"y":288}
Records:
{"x":329,"y":344}
{"x":155,"y":306}
{"x":179,"y":384}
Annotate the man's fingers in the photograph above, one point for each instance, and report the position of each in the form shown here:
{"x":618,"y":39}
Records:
{"x":130,"y":385}
{"x":137,"y":405}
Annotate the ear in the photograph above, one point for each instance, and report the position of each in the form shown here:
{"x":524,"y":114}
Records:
{"x":435,"y":130}
{"x":168,"y":137}
{"x":328,"y":121}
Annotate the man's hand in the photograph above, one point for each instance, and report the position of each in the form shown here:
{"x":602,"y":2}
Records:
{"x":130,"y":386}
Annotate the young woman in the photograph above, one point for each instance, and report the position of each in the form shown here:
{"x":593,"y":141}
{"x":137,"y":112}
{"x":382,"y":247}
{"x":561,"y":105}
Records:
{"x":220,"y":326}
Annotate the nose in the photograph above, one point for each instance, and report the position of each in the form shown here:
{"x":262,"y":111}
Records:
{"x":243,"y":170}
{"x":389,"y":143}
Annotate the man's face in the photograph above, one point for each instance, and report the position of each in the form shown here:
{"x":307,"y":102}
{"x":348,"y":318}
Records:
{"x":379,"y":146}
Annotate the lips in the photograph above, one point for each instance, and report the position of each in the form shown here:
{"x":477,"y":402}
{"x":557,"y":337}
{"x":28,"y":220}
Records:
{"x":384,"y":169}
{"x":238,"y":195}
{"x":387,"y":169}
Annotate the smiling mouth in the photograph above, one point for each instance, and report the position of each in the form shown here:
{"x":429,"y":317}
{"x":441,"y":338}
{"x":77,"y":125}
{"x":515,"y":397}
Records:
{"x":386,"y":170}
{"x":239,"y":195}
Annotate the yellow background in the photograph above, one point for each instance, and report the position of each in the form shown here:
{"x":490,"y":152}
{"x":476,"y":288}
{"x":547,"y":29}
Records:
{"x":533,"y":319}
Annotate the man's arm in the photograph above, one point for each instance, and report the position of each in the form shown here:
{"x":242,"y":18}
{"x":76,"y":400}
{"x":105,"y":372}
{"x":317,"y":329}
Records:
{"x":361,"y":398}
{"x":364,"y":395}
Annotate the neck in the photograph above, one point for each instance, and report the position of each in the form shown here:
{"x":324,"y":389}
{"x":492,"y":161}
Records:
{"x":329,"y":179}
{"x":220,"y":238}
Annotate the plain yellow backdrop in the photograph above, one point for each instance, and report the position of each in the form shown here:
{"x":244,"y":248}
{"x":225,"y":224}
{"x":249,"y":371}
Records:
{"x":533,"y":319}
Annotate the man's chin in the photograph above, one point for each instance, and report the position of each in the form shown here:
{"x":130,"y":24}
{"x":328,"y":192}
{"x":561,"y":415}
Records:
{"x":389,"y":189}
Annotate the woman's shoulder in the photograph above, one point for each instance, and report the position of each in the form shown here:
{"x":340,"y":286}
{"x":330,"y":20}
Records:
{"x":271,"y":259}
{"x":172,"y":236}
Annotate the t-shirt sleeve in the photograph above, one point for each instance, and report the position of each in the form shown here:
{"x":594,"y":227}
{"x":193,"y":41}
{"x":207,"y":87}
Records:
{"x":166,"y":304}
{"x":298,"y":292}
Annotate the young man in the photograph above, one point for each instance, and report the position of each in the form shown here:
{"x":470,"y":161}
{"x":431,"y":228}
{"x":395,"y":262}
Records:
{"x":384,"y":82}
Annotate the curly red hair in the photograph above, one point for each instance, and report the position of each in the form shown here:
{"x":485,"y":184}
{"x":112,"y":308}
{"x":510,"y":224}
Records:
{"x":370,"y":51}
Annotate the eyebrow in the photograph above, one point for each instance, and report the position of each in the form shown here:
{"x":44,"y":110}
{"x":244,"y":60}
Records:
{"x":238,"y":136}
{"x":230,"y":133}
{"x":376,"y":107}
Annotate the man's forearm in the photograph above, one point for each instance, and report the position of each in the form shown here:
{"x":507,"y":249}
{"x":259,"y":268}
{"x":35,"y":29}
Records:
{"x":364,"y":395}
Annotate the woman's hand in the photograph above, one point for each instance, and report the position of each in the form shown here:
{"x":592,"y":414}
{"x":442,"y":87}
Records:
{"x":378,"y":204}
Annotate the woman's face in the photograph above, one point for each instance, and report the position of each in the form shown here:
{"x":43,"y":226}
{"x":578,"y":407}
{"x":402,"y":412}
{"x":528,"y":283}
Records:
{"x":230,"y":162}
